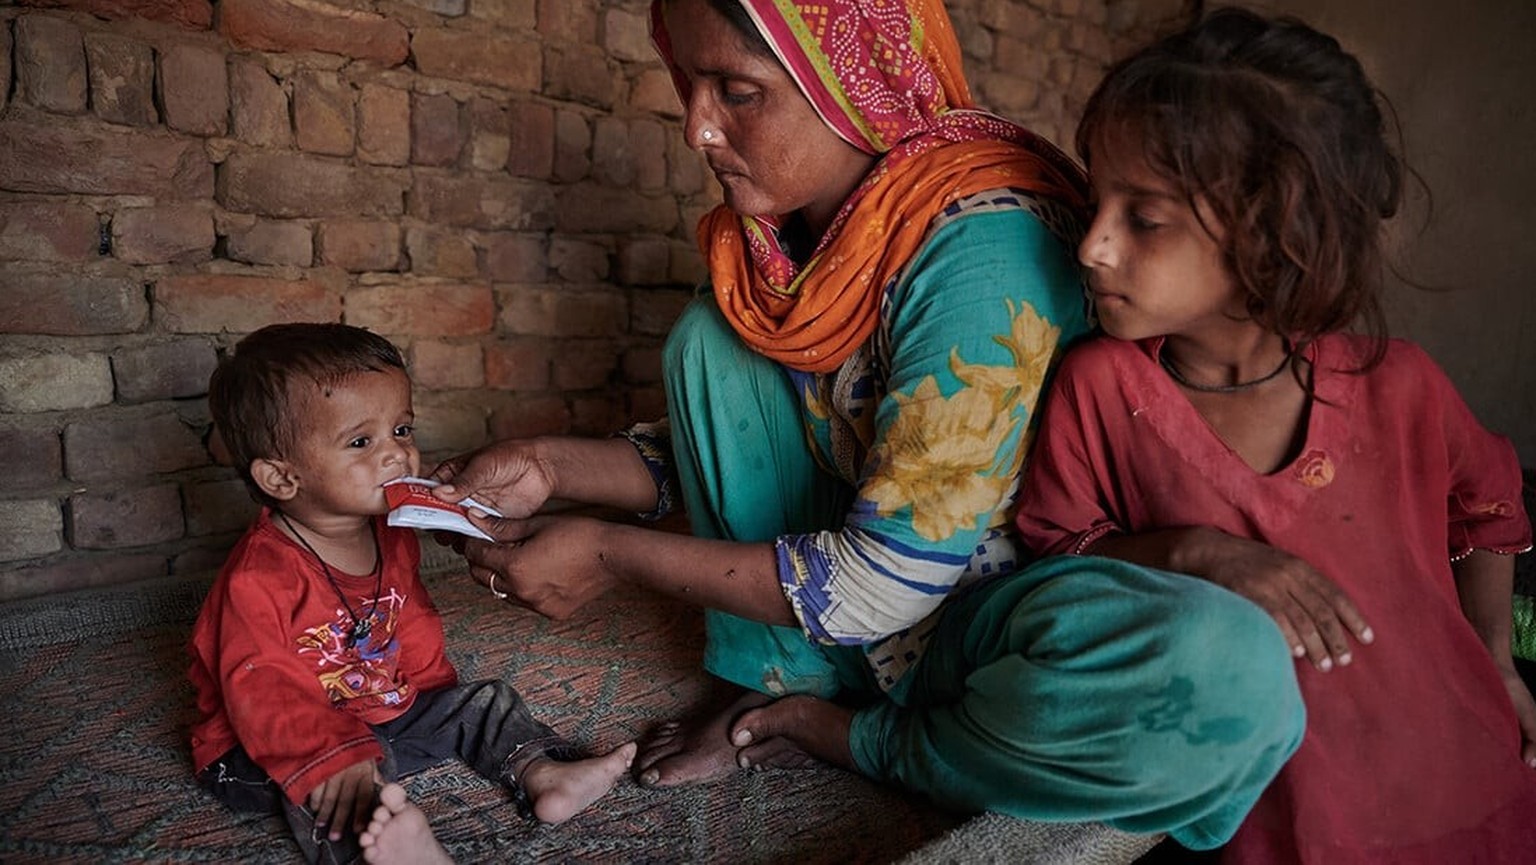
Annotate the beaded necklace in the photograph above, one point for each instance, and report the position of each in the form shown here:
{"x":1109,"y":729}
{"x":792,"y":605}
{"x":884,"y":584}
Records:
{"x":361,"y":626}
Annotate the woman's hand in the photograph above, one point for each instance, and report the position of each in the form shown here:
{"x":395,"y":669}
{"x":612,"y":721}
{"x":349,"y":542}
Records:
{"x":1313,"y":613}
{"x":346,"y":795}
{"x":551,"y":565}
{"x":509,"y":475}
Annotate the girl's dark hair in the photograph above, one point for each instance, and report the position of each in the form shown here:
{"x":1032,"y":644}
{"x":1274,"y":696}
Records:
{"x":253,"y":393}
{"x":1277,"y":129}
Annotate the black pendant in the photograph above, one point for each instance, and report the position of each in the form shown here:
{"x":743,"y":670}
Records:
{"x":361,"y":628}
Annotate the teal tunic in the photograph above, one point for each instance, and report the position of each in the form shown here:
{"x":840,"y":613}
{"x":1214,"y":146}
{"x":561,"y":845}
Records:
{"x":1061,"y":689}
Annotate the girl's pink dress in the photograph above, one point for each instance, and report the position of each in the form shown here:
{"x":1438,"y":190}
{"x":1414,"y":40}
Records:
{"x":1412,"y":751}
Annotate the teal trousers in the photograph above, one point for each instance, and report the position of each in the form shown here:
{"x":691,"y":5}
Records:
{"x":1077,"y":689}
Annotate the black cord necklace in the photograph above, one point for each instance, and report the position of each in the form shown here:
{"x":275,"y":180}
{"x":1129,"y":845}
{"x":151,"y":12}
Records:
{"x":361,"y":626}
{"x":1173,"y":372}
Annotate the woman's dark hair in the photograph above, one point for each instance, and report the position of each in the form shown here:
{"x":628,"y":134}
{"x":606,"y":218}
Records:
{"x":253,"y":395}
{"x":1277,"y":129}
{"x":742,"y":22}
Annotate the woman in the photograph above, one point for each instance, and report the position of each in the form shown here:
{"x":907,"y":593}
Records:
{"x":892,"y":276}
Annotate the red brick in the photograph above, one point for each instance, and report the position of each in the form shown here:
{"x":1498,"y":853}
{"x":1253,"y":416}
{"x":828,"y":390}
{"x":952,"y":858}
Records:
{"x":286,"y":184}
{"x":217,"y":507}
{"x":71,"y":304}
{"x":80,"y":572}
{"x":359,"y":245}
{"x":437,"y":131}
{"x":54,"y":382}
{"x":562,"y":312}
{"x":578,"y":260}
{"x":531,"y":416}
{"x":571,"y":22}
{"x":323,"y":115}
{"x":446,"y":425}
{"x":652,"y":90}
{"x":648,"y":143}
{"x":201,"y":562}
{"x":685,"y":168}
{"x":126,"y":518}
{"x":422,"y":309}
{"x":580,"y":74}
{"x":50,"y":64}
{"x":596,"y":415}
{"x":476,"y":202}
{"x":269,"y":241}
{"x":222,"y":303}
{"x":531,"y":152}
{"x":687,"y":266}
{"x":194,"y":90}
{"x":643,"y":404}
{"x":258,"y":105}
{"x":522,"y":364}
{"x":131,"y":445}
{"x":585,"y":364}
{"x":627,"y":35}
{"x":438,"y":252}
{"x":573,"y":147}
{"x":174,"y":234}
{"x":30,"y":456}
{"x":191,"y":14}
{"x":5,"y":68}
{"x":587,"y":208}
{"x":446,"y":366}
{"x":383,"y":125}
{"x":505,"y":60}
{"x":32,"y":528}
{"x":168,"y":370}
{"x":517,"y":15}
{"x":122,"y":75}
{"x":515,"y":258}
{"x":277,"y":25}
{"x":47,"y":231}
{"x":490,"y":135}
{"x":642,"y":365}
{"x":73,"y":158}
{"x":613,"y":156}
{"x":643,"y":260}
{"x":653,"y":311}
{"x":446,"y":8}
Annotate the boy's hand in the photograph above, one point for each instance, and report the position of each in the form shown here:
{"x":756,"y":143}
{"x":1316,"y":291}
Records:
{"x":346,"y":795}
{"x":1313,"y":613}
{"x":1525,"y":710}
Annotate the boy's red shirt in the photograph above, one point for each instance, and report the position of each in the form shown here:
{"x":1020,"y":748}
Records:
{"x":273,"y":670}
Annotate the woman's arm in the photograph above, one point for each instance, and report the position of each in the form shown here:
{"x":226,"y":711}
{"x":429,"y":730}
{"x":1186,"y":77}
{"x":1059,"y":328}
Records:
{"x":556,"y":564}
{"x":518,"y":476}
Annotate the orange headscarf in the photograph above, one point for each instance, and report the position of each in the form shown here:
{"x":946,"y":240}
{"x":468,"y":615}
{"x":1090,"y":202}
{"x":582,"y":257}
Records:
{"x":907,"y":100}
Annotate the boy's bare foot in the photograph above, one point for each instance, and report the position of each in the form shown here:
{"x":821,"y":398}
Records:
{"x":559,"y":791}
{"x":819,"y":727}
{"x":699,"y":748}
{"x":399,"y":832}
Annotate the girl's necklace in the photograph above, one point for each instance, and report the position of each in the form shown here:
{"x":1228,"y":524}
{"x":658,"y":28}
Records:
{"x":361,"y":626}
{"x":1173,"y":372}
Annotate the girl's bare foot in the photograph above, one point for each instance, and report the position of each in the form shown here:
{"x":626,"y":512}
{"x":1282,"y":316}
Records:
{"x":559,"y":791}
{"x":820,"y":728}
{"x":399,"y":832}
{"x":698,"y":749}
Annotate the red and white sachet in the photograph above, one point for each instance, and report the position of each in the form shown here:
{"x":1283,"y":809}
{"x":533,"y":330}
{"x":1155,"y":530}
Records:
{"x":411,"y":504}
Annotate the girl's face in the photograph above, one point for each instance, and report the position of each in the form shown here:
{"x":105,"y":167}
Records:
{"x":766,"y":145}
{"x":358,"y":436}
{"x":1154,"y":268}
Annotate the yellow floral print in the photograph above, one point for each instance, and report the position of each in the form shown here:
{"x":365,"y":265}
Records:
{"x":946,"y":457}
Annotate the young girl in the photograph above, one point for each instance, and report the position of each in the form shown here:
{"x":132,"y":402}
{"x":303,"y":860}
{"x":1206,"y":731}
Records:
{"x":1229,"y":428}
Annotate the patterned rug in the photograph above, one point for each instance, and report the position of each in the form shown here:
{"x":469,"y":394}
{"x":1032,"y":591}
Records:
{"x":94,"y":765}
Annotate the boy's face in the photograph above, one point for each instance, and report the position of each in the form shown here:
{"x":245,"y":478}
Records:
{"x":355,"y":436}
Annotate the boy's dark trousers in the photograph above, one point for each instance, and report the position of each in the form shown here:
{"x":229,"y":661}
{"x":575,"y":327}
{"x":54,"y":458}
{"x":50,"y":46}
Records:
{"x":485,"y":724}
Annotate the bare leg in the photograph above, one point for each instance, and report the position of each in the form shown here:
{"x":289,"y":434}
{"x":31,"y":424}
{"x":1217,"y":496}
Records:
{"x":698,"y":748}
{"x":559,"y":791}
{"x":820,"y":728}
{"x":399,"y":833}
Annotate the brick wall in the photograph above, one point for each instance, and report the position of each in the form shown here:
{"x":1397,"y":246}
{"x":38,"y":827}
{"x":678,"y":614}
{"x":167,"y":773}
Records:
{"x":497,"y":185}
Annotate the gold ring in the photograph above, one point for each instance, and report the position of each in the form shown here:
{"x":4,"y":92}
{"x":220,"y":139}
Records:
{"x":500,"y":595}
